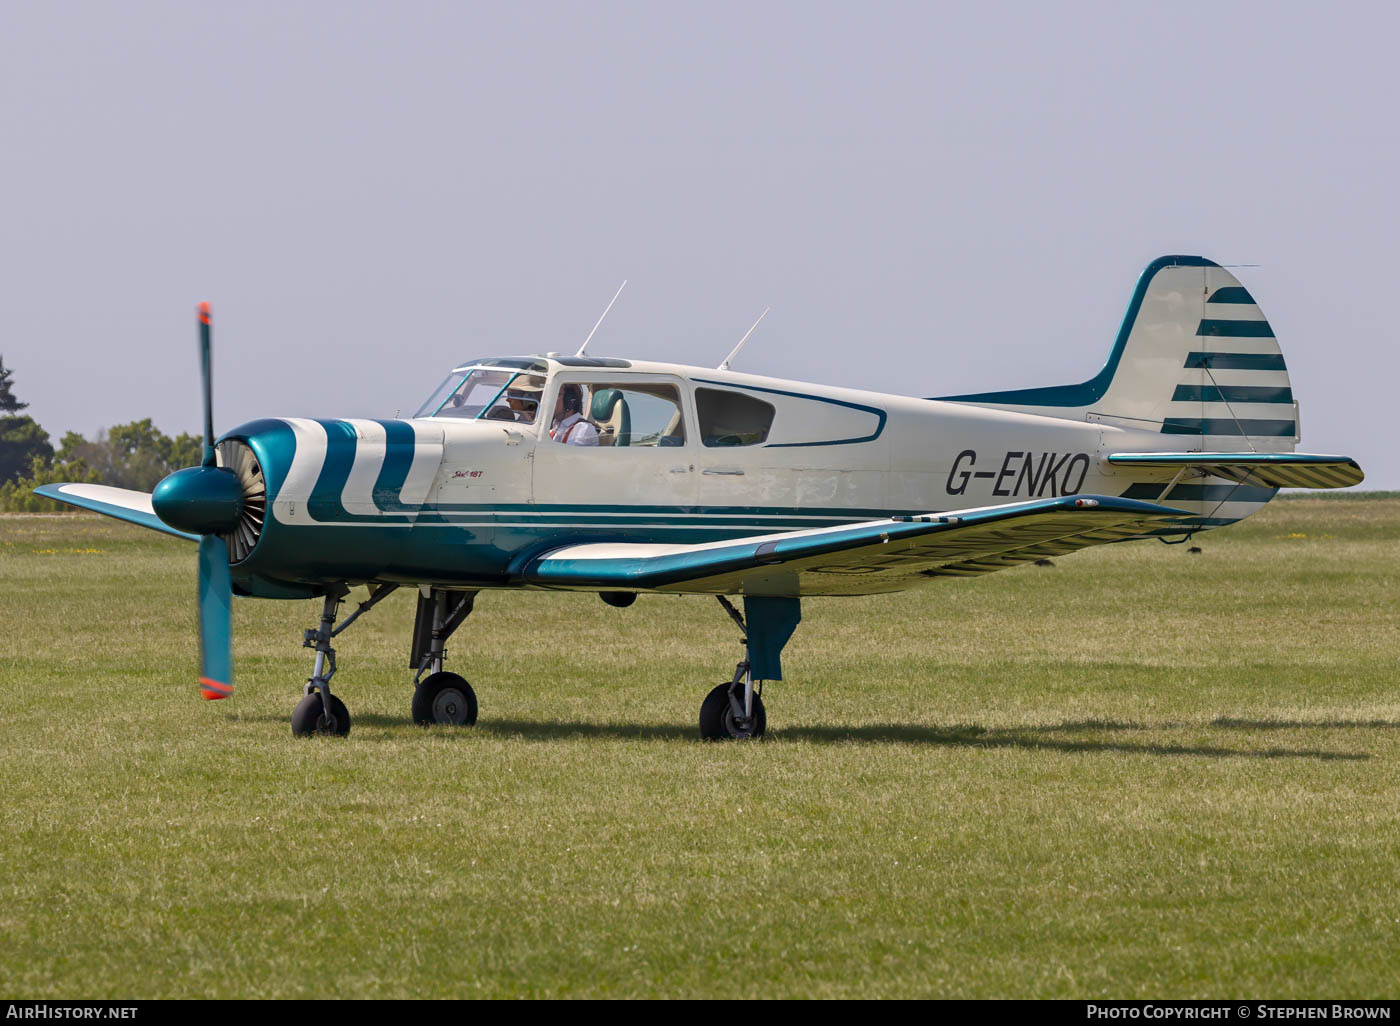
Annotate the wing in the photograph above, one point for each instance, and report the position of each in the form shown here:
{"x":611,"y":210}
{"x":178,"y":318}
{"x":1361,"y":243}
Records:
{"x":867,"y":558}
{"x":1273,"y":469}
{"x":122,"y":503}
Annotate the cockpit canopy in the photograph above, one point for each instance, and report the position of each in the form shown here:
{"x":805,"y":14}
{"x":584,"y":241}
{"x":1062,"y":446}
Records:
{"x":503,"y":388}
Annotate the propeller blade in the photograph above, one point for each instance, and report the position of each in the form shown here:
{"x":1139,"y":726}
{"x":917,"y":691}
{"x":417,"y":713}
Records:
{"x":215,"y":619}
{"x":206,"y":330}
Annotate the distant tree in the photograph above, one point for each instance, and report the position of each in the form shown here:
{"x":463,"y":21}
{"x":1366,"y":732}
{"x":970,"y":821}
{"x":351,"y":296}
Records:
{"x":135,"y":455}
{"x":8,"y":402}
{"x":186,"y":451}
{"x":68,"y":449}
{"x":21,"y":439}
{"x":18,"y":496}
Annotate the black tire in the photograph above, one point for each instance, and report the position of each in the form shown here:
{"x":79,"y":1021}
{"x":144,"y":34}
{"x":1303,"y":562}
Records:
{"x":307,"y":718}
{"x":717,"y":717}
{"x":444,"y":698}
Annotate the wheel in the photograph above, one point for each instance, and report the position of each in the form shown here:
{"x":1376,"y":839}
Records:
{"x":717,"y":721}
{"x":444,"y":698}
{"x":308,"y":719}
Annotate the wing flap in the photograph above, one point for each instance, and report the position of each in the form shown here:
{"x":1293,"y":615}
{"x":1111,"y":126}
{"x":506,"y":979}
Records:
{"x":1271,"y":469}
{"x":122,"y":503}
{"x":867,"y":558}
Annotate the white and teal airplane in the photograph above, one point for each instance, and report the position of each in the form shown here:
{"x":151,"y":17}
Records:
{"x":712,"y":482}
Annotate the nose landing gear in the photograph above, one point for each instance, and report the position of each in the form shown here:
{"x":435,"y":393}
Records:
{"x":320,"y":712}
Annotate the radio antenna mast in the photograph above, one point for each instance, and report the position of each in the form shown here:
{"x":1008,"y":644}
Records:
{"x":730,"y":358}
{"x":600,"y":319}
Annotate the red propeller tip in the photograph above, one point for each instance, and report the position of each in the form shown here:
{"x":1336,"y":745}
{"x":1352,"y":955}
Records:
{"x":212,"y":690}
{"x":205,"y":312}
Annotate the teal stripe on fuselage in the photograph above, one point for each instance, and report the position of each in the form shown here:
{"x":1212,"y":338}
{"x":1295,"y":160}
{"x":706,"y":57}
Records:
{"x":342,"y":448}
{"x":861,"y":513}
{"x":324,"y":503}
{"x":401,"y":442}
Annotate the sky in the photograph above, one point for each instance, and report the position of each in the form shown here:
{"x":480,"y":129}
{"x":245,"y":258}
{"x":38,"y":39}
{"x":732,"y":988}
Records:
{"x":934,"y":198}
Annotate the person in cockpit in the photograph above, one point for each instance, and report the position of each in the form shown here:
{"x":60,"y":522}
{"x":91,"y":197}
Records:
{"x":523,"y":398}
{"x":569,"y":425}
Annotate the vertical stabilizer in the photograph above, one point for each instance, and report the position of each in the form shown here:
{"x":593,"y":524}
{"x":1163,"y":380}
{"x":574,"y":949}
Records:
{"x":1195,"y":360}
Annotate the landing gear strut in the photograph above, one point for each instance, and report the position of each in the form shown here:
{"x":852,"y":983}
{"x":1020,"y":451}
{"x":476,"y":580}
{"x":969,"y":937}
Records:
{"x":441,"y":697}
{"x":321,"y":712}
{"x":734,"y":710}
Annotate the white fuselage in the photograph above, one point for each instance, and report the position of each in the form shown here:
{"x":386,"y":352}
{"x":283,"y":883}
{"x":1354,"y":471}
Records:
{"x":830,"y":455}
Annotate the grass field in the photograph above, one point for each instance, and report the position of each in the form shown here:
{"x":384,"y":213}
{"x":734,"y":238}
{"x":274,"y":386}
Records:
{"x":1138,"y":773}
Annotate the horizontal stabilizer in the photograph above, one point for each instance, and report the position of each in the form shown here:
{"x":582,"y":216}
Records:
{"x":123,"y":503}
{"x":1273,"y":469}
{"x":867,"y":558}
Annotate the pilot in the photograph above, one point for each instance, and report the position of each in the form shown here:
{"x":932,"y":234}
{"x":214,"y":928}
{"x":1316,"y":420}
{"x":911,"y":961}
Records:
{"x":523,"y":398}
{"x":569,"y":426}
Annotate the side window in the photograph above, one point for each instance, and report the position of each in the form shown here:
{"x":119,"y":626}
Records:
{"x":732,"y":418}
{"x":636,"y":414}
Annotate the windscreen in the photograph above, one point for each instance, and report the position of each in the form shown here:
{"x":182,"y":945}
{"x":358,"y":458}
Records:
{"x":467,"y":394}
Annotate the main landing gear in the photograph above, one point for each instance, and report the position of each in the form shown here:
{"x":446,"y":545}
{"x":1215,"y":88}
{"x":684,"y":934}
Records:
{"x":734,"y":710}
{"x":441,"y":697}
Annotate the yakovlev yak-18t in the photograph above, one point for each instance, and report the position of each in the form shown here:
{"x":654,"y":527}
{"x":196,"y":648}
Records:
{"x":710,"y":482}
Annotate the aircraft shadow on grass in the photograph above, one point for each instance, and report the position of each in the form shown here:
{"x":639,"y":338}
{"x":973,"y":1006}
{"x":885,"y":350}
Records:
{"x":960,"y":736}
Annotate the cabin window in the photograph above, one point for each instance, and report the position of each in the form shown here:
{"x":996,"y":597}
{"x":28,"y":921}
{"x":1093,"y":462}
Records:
{"x":634,"y":414}
{"x":732,"y":418}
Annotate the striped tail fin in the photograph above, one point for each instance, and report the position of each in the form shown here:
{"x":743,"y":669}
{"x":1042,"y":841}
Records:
{"x":1195,"y":360}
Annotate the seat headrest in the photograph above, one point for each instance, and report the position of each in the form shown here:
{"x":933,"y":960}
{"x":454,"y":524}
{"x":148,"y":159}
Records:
{"x":604,"y":402}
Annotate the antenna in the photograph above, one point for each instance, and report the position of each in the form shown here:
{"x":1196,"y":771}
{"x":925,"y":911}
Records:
{"x":730,"y":358}
{"x":600,"y":319}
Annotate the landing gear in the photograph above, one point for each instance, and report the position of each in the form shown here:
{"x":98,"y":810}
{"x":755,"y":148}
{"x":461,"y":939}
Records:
{"x":441,"y":697}
{"x":444,"y":698}
{"x":320,"y":712}
{"x":722,"y":715}
{"x":734,"y":710}
{"x":310,"y":717}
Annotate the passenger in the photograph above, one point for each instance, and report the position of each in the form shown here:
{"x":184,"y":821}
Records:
{"x":569,"y":426}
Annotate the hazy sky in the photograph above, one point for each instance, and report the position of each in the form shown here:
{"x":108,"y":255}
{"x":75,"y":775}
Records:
{"x":934,"y":198}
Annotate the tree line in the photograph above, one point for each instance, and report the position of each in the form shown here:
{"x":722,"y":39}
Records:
{"x":134,"y":455}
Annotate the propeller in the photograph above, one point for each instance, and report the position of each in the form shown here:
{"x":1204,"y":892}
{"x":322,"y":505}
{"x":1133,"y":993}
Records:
{"x":215,"y":619}
{"x":208,"y":501}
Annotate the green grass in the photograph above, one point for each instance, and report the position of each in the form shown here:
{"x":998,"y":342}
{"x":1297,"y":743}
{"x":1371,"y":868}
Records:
{"x":1139,"y":773}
